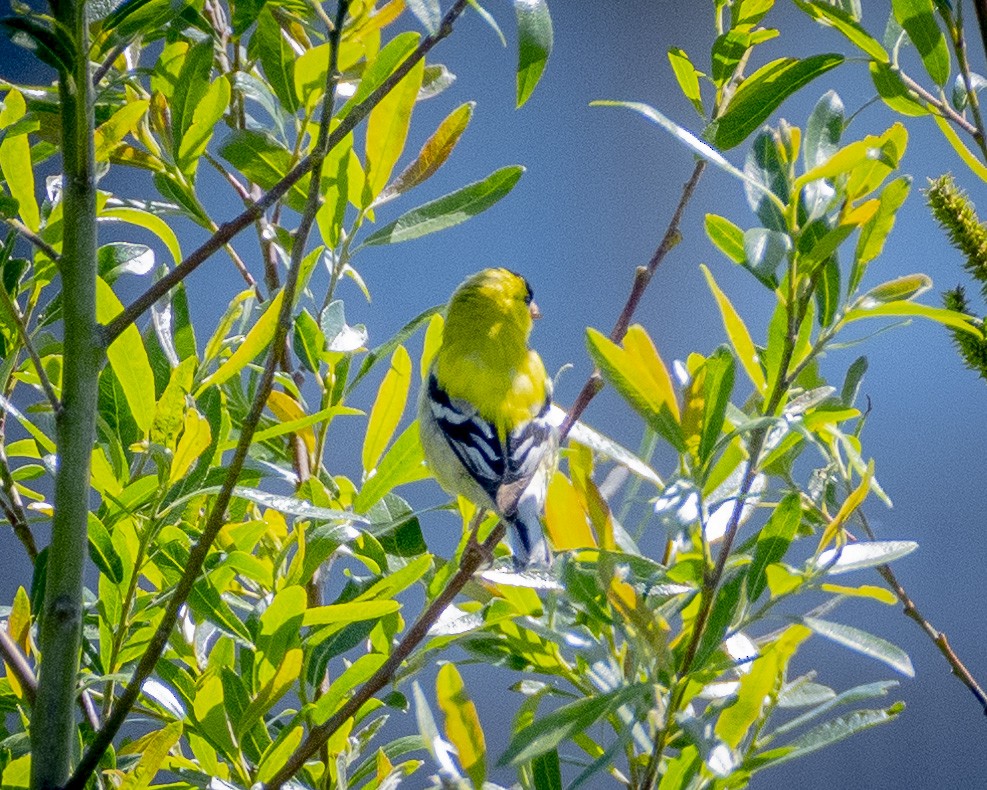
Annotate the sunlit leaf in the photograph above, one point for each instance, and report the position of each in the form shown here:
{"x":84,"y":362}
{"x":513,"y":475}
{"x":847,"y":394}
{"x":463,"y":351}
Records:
{"x":832,"y":16}
{"x":387,"y":129}
{"x":738,"y":335}
{"x":863,"y":642}
{"x":918,"y":19}
{"x":941,"y":315}
{"x":462,"y":724}
{"x":762,"y":93}
{"x":893,"y":91}
{"x":388,"y":408}
{"x":772,"y":543}
{"x":728,"y":238}
{"x":15,"y":160}
{"x":863,"y":554}
{"x":535,"y":36}
{"x":148,"y":221}
{"x":687,"y":77}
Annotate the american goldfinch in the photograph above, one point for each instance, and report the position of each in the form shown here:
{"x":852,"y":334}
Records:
{"x":484,"y":408}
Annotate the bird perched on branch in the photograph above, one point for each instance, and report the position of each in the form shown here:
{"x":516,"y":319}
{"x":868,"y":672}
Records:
{"x":484,"y":409}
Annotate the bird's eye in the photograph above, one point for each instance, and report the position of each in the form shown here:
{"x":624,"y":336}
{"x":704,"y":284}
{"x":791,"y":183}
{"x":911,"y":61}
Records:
{"x":529,"y":292}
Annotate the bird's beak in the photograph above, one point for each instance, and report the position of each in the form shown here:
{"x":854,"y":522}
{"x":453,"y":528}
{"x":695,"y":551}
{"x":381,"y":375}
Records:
{"x":535,"y":312}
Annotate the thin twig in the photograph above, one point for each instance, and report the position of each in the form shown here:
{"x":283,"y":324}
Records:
{"x":18,"y":666}
{"x":32,"y":237}
{"x":14,"y":510}
{"x":981,"y":8}
{"x":216,"y":518}
{"x":642,"y":276}
{"x":230,"y":229}
{"x":958,"y":40}
{"x":473,"y":556}
{"x":943,"y":107}
{"x":103,"y":69}
{"x":18,"y":319}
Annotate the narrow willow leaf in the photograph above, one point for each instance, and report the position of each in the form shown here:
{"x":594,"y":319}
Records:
{"x":15,"y":160}
{"x":901,"y":288}
{"x":195,"y":439}
{"x":380,"y":352}
{"x":462,"y":724}
{"x":718,"y":385}
{"x":893,"y":91}
{"x":102,"y":551}
{"x":194,"y":79}
{"x":349,"y":612}
{"x":727,"y":237}
{"x":535,"y":36}
{"x":277,"y":58}
{"x":152,"y":750}
{"x":288,"y":410}
{"x":737,"y":333}
{"x":204,"y":119}
{"x":875,"y":231}
{"x":565,"y":516}
{"x":763,"y":92}
{"x":824,"y":130}
{"x":433,"y":154}
{"x":128,"y":358}
{"x":387,"y":60}
{"x":640,"y":376}
{"x":687,"y":77}
{"x":358,"y":673}
{"x":387,"y":409}
{"x":277,"y":755}
{"x":111,"y":132}
{"x":693,"y":143}
{"x":941,"y":315}
{"x":251,"y":348}
{"x":879,"y":594}
{"x":852,"y":696}
{"x":448,"y":211}
{"x":548,"y":732}
{"x":918,"y":19}
{"x":148,"y":221}
{"x":772,"y":543}
{"x":546,"y":771}
{"x":863,"y":642}
{"x":863,"y":554}
{"x":387,"y":129}
{"x":832,"y":16}
{"x":403,"y":463}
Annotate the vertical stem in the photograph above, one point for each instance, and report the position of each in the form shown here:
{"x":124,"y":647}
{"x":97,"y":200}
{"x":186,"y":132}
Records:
{"x":53,"y":725}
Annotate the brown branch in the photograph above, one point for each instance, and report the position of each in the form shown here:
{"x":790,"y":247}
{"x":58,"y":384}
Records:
{"x":252,"y":213}
{"x":18,"y":666}
{"x":14,"y":510}
{"x":32,"y":237}
{"x":18,"y":320}
{"x":981,"y":8}
{"x":642,"y":277}
{"x":474,"y":555}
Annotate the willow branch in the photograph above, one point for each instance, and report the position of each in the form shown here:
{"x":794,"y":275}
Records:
{"x":31,"y":236}
{"x":256,"y":210}
{"x":18,"y":320}
{"x":17,"y":665}
{"x":13,"y":509}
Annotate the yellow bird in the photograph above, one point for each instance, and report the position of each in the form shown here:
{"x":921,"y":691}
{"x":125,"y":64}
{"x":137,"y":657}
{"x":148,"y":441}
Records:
{"x":484,"y":410}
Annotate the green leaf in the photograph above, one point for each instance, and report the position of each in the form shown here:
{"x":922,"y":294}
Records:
{"x":718,"y":386}
{"x":875,"y":231}
{"x":450,"y":210}
{"x":893,"y":91}
{"x":277,"y":58}
{"x":835,"y":731}
{"x":119,"y":258}
{"x":862,"y":554}
{"x":387,"y":409}
{"x":433,"y":154}
{"x":687,"y":77}
{"x":309,"y":342}
{"x":904,"y":288}
{"x":387,"y":347}
{"x":979,"y":168}
{"x":148,"y":221}
{"x":546,"y":771}
{"x":727,"y":237}
{"x":194,"y":81}
{"x":764,"y":251}
{"x":340,"y":336}
{"x":205,"y":116}
{"x":727,"y":52}
{"x":766,"y":166}
{"x":354,"y":612}
{"x":763,"y":92}
{"x":824,"y":130}
{"x":403,"y":463}
{"x":832,"y":16}
{"x":102,"y":552}
{"x":918,"y":19}
{"x":534,"y":27}
{"x":547,"y":733}
{"x":863,"y":642}
{"x":264,"y":161}
{"x":772,"y":543}
{"x":128,"y":359}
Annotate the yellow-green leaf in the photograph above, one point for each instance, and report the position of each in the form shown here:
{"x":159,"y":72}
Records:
{"x":850,"y":504}
{"x":880,"y":594}
{"x":388,"y":408}
{"x":899,"y":309}
{"x":151,"y":222}
{"x":387,"y":128}
{"x":196,"y":437}
{"x":430,"y":346}
{"x":128,"y":358}
{"x":207,"y":114}
{"x":738,"y":335}
{"x":15,"y":161}
{"x":153,"y":748}
{"x":565,"y":516}
{"x":253,"y":345}
{"x":111,"y":133}
{"x":968,"y":157}
{"x":462,"y":724}
{"x":349,"y":612}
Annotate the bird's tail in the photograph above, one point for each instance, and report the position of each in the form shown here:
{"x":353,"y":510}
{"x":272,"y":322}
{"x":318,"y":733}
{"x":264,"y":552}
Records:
{"x":527,"y":536}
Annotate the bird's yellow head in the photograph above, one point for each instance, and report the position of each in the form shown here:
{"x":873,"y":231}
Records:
{"x":491,"y":298}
